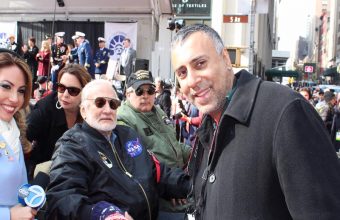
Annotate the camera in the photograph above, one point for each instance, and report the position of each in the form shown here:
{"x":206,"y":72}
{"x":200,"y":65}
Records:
{"x":181,"y":105}
{"x":175,"y":24}
{"x":182,"y":112}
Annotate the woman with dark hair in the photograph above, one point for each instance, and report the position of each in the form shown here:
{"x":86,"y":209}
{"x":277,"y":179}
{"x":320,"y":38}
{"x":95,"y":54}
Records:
{"x":56,"y":113}
{"x":15,"y":94}
{"x":30,"y":51}
{"x":307,"y":94}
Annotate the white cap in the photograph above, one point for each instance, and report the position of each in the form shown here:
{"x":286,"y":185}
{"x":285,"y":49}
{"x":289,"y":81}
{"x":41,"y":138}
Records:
{"x":101,"y":39}
{"x":74,"y":37}
{"x":79,"y":34}
{"x":59,"y":34}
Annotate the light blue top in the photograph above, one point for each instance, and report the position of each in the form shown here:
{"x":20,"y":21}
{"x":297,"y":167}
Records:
{"x":12,"y":176}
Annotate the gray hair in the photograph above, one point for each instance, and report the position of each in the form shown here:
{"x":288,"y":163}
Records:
{"x":86,"y":90}
{"x":186,"y":31}
{"x":130,"y":89}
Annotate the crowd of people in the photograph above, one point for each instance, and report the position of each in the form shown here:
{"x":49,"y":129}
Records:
{"x":218,"y":145}
{"x":327,"y":104}
{"x":52,"y":57}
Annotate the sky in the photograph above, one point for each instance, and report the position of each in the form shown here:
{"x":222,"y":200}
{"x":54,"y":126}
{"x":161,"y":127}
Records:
{"x":292,"y":21}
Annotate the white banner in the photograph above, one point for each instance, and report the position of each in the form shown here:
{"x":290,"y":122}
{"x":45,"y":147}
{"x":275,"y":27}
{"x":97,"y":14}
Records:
{"x":115,"y":33}
{"x":7,"y":29}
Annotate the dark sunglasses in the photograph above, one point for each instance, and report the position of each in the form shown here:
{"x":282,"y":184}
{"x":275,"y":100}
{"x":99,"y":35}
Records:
{"x":150,"y":91}
{"x":73,"y":91}
{"x":100,"y":102}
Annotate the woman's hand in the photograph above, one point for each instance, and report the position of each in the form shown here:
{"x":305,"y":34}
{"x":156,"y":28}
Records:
{"x":22,"y":212}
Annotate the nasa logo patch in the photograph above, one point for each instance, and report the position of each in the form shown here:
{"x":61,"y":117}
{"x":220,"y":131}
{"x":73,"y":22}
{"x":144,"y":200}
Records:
{"x":133,"y":148}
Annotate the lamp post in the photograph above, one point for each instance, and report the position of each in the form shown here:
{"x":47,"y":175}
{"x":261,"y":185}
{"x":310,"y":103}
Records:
{"x":251,"y":37}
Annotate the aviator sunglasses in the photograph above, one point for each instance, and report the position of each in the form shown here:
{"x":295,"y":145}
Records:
{"x":100,"y":102}
{"x":151,"y":91}
{"x":73,"y":91}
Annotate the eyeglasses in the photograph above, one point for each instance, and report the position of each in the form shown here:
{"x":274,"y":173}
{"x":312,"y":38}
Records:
{"x":151,"y":91}
{"x":73,"y":91}
{"x":100,"y":102}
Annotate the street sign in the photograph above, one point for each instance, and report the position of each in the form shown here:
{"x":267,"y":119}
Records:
{"x":309,"y":67}
{"x":235,"y":18}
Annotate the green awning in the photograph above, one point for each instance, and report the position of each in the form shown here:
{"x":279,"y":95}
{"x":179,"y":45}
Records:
{"x":281,"y":73}
{"x":330,"y":72}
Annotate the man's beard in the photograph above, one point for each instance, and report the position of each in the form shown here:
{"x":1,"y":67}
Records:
{"x":214,"y":106}
{"x":107,"y":127}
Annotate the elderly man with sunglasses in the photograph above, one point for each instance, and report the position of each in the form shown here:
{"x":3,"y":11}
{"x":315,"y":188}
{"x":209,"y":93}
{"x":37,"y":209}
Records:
{"x":156,"y":131}
{"x":101,"y":170}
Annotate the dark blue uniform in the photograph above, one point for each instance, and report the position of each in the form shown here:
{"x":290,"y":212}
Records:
{"x":102,"y":57}
{"x":74,"y":55}
{"x":85,"y":57}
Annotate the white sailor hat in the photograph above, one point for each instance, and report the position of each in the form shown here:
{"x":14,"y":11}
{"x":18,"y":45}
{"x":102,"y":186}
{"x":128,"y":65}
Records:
{"x":101,"y":39}
{"x":79,"y":34}
{"x":59,"y":34}
{"x":74,"y":37}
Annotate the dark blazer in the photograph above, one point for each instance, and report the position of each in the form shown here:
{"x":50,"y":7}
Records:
{"x":271,"y":158}
{"x":45,"y":125}
{"x":29,"y":57}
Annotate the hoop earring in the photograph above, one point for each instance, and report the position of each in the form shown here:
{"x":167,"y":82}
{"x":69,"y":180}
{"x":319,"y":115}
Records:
{"x":57,"y":105}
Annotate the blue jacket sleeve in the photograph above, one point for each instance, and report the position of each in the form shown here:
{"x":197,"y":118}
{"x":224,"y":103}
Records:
{"x":4,"y":213}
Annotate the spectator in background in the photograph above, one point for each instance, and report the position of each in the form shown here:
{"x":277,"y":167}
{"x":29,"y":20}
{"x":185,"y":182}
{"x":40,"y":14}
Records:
{"x":43,"y":90}
{"x":335,"y":129}
{"x":163,"y":96}
{"x":321,"y":96}
{"x":56,"y":113}
{"x":43,"y":58}
{"x":326,"y":109}
{"x":12,"y":45}
{"x":127,"y":58}
{"x":29,"y":55}
{"x":84,"y":52}
{"x":306,"y":93}
{"x":15,"y":94}
{"x":48,"y":38}
{"x":191,"y":120}
{"x":101,"y":59}
{"x":156,"y":132}
{"x":58,"y":51}
{"x":72,"y":51}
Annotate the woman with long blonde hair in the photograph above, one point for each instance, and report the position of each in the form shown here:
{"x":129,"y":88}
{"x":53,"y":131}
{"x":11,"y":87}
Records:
{"x":43,"y":58}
